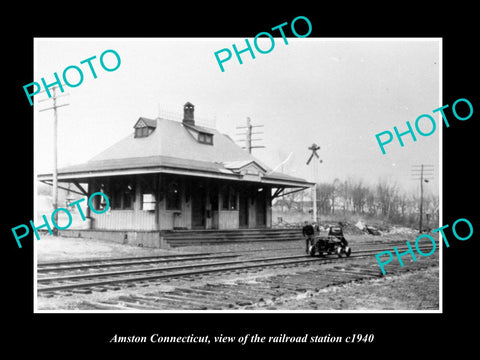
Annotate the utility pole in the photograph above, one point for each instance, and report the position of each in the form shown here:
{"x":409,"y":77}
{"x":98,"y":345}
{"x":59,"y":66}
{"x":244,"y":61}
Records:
{"x":55,"y":170}
{"x":314,"y":149}
{"x":424,"y":173}
{"x":248,"y":135}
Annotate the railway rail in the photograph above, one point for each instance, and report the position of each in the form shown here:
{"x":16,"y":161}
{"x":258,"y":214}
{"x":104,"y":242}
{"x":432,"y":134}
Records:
{"x":67,"y":265}
{"x":115,"y":262}
{"x":83,"y":276}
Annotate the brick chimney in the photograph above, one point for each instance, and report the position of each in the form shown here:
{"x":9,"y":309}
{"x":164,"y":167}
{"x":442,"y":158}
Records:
{"x":188,"y":109}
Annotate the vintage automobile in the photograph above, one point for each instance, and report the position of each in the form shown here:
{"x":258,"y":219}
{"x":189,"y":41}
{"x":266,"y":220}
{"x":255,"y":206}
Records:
{"x":332,"y":243}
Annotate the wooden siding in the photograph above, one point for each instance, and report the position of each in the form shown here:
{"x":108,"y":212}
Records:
{"x":134,"y":219}
{"x":124,"y":220}
{"x":138,"y":219}
{"x":228,"y":219}
{"x":174,"y":219}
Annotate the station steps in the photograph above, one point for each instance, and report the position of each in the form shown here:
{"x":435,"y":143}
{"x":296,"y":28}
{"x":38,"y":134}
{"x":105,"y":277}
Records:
{"x":180,"y":238}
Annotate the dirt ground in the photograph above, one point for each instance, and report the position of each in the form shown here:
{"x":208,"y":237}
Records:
{"x":416,"y":290}
{"x":50,"y":248}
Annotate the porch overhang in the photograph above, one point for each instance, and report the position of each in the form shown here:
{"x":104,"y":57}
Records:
{"x":167,"y":165}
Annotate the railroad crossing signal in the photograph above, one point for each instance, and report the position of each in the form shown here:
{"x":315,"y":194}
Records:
{"x":314,"y":149}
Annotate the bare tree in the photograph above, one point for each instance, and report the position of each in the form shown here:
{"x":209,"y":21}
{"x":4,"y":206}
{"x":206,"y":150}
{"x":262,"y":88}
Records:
{"x":345,"y":195}
{"x":336,"y":184}
{"x":325,"y":193}
{"x":359,"y":194}
{"x":385,"y":195}
{"x":383,"y":199}
{"x":431,"y":207}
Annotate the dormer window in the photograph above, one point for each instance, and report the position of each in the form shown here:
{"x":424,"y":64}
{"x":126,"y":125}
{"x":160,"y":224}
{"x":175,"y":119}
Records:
{"x":144,"y":127}
{"x":200,"y":134}
{"x":142,"y":132}
{"x":205,"y":138}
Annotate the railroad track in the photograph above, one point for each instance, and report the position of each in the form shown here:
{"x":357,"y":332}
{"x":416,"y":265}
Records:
{"x":82,"y":276}
{"x":125,"y":261}
{"x":68,"y":265}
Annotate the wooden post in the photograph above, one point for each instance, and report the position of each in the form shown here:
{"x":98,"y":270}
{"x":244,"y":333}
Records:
{"x":55,"y":170}
{"x":314,"y":191}
{"x":156,"y":180}
{"x":89,"y":192}
{"x":421,"y":199}
{"x":208,"y":206}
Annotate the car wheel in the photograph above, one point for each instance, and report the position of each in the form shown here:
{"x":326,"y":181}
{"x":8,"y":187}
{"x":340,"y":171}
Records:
{"x":348,"y":251}
{"x":339,"y":252}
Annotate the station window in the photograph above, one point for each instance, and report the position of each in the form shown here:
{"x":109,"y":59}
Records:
{"x":148,"y":195}
{"x":229,"y":198}
{"x":224,"y":194}
{"x":116,"y":197}
{"x":128,"y":196}
{"x":98,"y":202}
{"x":173,"y":197}
{"x":148,"y":201}
{"x":123,"y":195}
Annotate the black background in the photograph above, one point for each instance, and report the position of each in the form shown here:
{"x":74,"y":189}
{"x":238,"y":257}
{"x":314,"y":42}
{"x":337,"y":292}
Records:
{"x":405,"y":334}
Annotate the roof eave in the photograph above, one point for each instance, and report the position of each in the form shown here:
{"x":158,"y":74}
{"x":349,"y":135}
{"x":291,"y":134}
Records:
{"x":136,"y":171}
{"x":85,"y":175}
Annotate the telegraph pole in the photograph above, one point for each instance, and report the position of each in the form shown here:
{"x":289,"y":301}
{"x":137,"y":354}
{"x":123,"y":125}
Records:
{"x":55,"y":170}
{"x":424,"y":173}
{"x":248,"y":135}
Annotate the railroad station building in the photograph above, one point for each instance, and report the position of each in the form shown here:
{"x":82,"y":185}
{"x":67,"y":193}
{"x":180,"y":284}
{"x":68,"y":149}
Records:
{"x":172,"y":175}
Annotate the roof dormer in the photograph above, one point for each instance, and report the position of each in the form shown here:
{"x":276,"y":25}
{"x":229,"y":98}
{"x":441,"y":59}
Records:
{"x":201,"y":134}
{"x":144,"y":127}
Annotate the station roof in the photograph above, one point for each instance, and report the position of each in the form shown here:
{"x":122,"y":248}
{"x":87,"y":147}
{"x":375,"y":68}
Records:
{"x":171,"y":148}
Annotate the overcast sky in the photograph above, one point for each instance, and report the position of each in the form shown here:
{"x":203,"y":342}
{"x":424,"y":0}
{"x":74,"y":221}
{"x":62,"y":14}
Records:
{"x":337,"y":93}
